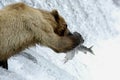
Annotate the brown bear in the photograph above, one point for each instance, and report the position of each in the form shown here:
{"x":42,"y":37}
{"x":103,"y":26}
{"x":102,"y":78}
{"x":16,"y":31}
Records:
{"x":22,"y":26}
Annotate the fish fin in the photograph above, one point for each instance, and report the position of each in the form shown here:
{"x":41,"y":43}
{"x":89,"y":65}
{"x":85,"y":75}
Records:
{"x":91,"y":47}
{"x":91,"y":51}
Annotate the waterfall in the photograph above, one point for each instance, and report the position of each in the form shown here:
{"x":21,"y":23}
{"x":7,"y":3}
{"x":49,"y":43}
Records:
{"x":96,"y":20}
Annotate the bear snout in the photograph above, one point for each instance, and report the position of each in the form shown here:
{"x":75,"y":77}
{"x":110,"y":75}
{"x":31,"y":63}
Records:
{"x":77,"y":39}
{"x":69,"y":34}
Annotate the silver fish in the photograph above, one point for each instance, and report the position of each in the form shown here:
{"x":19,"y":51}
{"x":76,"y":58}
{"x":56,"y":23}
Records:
{"x":82,"y":48}
{"x":86,"y":49}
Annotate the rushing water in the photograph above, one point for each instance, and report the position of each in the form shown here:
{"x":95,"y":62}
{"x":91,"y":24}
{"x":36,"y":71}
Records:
{"x":96,"y":20}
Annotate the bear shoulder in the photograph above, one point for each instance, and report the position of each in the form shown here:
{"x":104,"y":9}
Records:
{"x":16,"y":6}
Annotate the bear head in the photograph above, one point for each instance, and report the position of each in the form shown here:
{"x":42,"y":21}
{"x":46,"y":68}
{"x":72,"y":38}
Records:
{"x":61,"y":29}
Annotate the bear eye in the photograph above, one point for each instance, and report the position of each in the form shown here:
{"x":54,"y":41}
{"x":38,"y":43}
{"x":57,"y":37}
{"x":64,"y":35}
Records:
{"x":65,"y":25}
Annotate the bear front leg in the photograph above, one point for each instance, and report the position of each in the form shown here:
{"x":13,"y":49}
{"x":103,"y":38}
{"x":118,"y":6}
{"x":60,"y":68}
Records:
{"x":4,"y":64}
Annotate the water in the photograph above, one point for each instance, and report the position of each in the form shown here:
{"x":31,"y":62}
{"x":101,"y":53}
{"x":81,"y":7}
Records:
{"x":96,"y":20}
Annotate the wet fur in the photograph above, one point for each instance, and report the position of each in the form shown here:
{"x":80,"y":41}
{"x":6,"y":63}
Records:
{"x":22,"y":26}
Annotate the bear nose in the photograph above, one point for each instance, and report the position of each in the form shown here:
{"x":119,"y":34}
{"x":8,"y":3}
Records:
{"x":79,"y":36}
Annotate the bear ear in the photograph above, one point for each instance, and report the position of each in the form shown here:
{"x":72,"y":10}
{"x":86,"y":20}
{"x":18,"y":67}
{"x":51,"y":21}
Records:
{"x":55,"y":14}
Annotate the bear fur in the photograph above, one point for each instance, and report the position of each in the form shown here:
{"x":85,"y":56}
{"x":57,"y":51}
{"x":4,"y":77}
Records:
{"x":22,"y":26}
